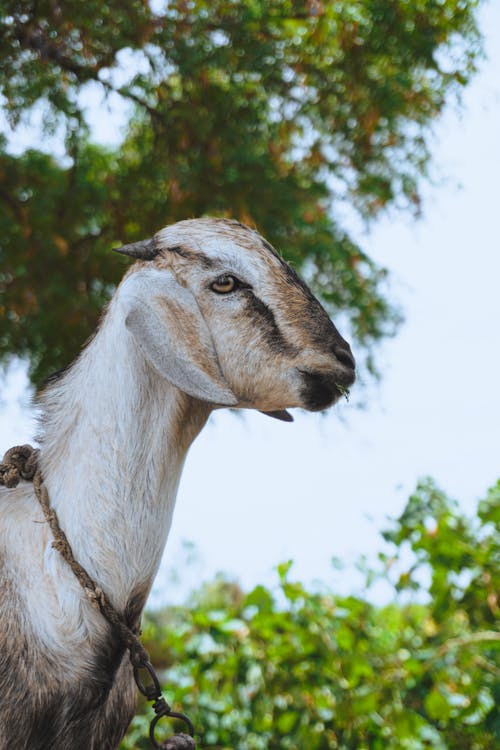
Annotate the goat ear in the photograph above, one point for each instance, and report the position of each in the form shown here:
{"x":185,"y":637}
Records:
{"x":169,"y":328}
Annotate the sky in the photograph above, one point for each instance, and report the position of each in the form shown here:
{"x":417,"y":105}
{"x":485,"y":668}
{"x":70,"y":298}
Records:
{"x":256,"y":491}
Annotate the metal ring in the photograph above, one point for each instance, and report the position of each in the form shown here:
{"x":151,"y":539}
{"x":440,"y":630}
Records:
{"x":169,"y":715}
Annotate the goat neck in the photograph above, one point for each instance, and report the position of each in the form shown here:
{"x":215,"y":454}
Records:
{"x":114,"y":438}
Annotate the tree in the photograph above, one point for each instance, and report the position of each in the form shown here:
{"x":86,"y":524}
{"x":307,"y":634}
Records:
{"x":274,"y":112}
{"x":305,"y":669}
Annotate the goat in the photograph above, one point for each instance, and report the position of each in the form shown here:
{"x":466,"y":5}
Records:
{"x":209,"y":316}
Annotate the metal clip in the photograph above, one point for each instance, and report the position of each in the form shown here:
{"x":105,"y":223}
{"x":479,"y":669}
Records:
{"x":152,"y":692}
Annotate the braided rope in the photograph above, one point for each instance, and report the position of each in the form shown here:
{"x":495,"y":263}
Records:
{"x":21,"y":462}
{"x":18,"y":463}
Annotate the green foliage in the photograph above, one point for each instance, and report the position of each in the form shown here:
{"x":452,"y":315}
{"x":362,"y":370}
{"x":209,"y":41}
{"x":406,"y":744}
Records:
{"x":275,"y":112}
{"x":293,"y":669}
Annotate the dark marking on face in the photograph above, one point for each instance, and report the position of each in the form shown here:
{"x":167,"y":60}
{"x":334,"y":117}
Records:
{"x":193,"y":257}
{"x":263,"y":317}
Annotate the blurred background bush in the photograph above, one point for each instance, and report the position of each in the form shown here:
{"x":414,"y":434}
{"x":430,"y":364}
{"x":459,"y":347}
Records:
{"x":291,"y":668}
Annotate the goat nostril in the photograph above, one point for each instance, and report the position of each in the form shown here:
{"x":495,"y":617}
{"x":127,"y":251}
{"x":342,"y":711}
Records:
{"x":344,"y":356}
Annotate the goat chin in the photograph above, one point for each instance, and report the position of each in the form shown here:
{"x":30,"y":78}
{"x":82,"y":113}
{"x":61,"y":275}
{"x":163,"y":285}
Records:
{"x":282,"y":415}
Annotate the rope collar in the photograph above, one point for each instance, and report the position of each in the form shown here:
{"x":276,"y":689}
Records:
{"x":21,"y":462}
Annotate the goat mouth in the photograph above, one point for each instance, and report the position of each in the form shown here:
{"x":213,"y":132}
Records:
{"x":320,"y":390}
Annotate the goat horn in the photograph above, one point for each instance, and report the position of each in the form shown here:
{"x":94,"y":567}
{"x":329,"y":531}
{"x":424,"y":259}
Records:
{"x":142,"y":250}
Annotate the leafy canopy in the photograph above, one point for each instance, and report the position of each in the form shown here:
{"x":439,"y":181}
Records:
{"x":275,"y":112}
{"x":299,"y":669}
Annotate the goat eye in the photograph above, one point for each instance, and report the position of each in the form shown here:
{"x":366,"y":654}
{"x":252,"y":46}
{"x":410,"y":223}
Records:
{"x":224,"y":284}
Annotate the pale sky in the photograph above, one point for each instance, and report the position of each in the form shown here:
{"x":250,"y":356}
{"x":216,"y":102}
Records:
{"x":256,"y":492}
